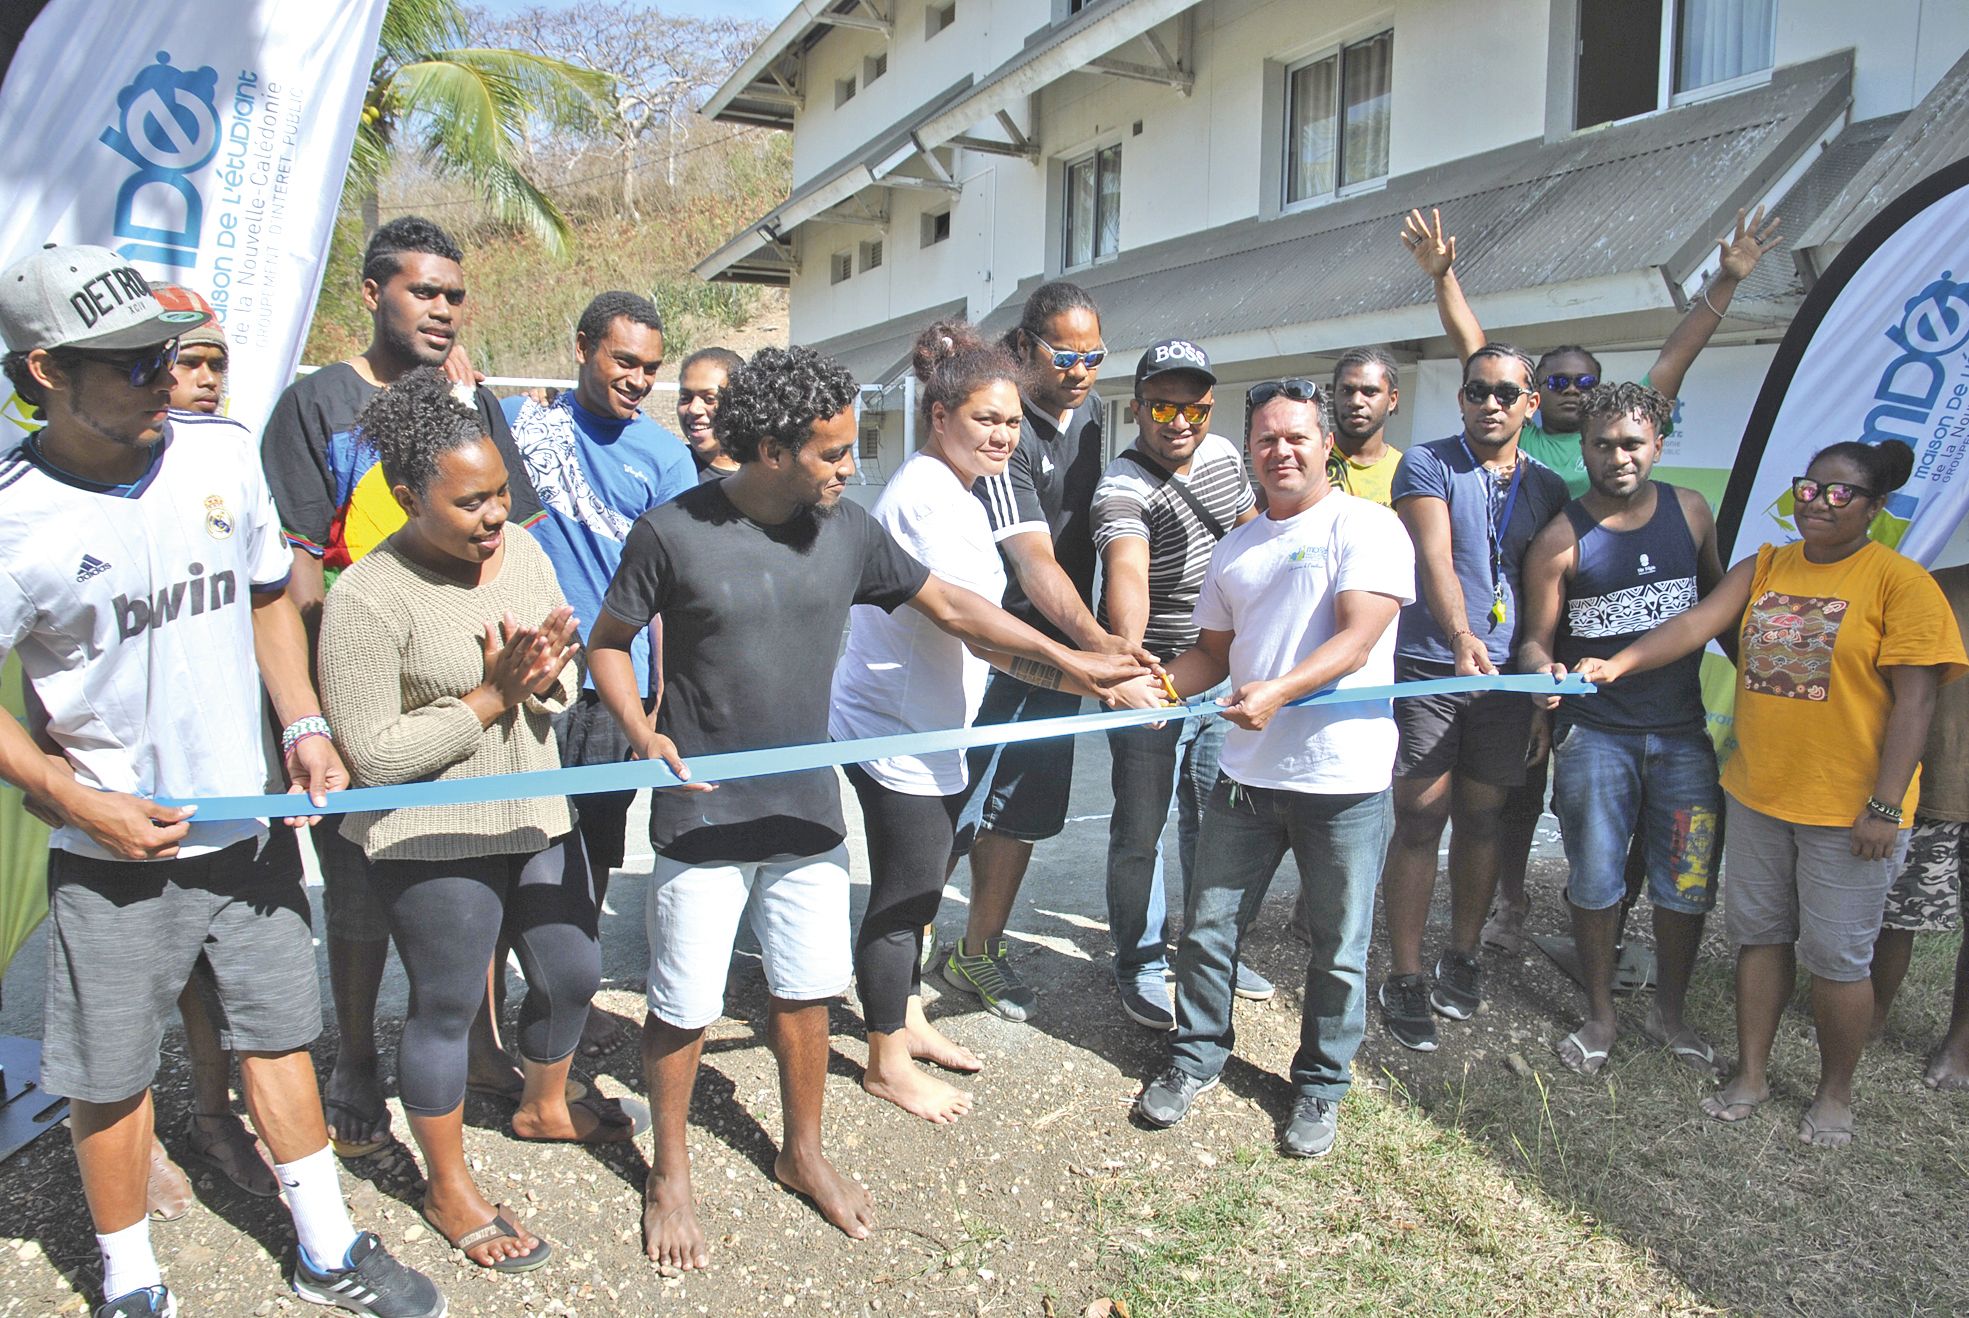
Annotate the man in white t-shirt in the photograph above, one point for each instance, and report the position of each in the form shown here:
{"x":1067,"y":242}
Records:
{"x":1160,"y":509}
{"x":141,"y":578}
{"x":1300,"y":600}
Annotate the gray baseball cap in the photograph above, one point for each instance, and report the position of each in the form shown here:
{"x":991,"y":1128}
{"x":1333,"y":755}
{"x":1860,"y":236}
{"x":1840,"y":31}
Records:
{"x":84,"y":297}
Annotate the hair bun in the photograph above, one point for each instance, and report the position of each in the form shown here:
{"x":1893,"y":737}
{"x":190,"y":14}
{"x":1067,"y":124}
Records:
{"x":942,"y":342}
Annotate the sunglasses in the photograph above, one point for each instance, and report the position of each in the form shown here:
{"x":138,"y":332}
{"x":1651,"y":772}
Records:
{"x":1561,"y":383}
{"x":1837,"y":493}
{"x":1066,"y":361}
{"x":144,"y":368}
{"x":1164,"y":413}
{"x":1507,"y":395}
{"x":1299,"y":389}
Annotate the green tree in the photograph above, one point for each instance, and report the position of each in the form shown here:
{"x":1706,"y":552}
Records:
{"x":466,"y":111}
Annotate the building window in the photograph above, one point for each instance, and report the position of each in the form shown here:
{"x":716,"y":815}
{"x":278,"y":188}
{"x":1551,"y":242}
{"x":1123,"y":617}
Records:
{"x":844,"y":91}
{"x":871,"y":444}
{"x":936,"y":227}
{"x":1336,"y":118}
{"x":873,"y":67}
{"x":939,"y":18}
{"x":1093,"y":207}
{"x":840,"y":267}
{"x":1639,"y":56}
{"x":871,"y":255}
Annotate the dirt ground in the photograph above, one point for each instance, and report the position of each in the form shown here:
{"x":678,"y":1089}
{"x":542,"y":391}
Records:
{"x":1028,"y":1206}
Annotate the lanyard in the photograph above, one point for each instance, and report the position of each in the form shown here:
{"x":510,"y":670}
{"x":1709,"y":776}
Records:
{"x":1498,"y":526}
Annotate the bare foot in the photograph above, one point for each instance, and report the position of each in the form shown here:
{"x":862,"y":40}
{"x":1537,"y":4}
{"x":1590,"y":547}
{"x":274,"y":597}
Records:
{"x":1948,"y":1069}
{"x":590,"y":1120}
{"x":929,"y":1044}
{"x":841,"y":1201}
{"x":1735,"y":1102}
{"x":1827,"y":1124}
{"x":671,"y":1236}
{"x":456,"y":1216}
{"x":603,"y":1033}
{"x":917,"y":1092}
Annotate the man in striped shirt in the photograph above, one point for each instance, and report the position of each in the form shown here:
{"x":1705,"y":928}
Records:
{"x":1159,"y":511}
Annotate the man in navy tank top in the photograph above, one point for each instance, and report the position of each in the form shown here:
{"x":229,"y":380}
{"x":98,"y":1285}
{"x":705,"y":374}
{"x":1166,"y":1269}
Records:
{"x":1620,"y":560}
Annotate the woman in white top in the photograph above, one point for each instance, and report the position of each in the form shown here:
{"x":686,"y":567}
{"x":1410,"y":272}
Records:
{"x":899,"y":675}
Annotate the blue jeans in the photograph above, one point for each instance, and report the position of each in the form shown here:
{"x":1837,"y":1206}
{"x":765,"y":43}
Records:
{"x":1339,"y":843}
{"x":1150,"y":765}
{"x":1606,"y":785}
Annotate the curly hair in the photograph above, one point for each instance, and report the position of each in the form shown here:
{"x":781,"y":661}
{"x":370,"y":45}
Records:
{"x":406,"y":233}
{"x":951,"y":363}
{"x":776,"y":398}
{"x":1607,"y":402}
{"x":607,"y":308}
{"x":416,"y":421}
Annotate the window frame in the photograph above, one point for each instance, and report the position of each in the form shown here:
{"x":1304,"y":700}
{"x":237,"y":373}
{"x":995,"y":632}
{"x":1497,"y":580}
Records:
{"x":846,"y":89}
{"x":939,"y":18}
{"x":840,"y":268}
{"x":1666,"y":97}
{"x":1337,"y":52}
{"x":873,"y":66}
{"x":927,"y":235}
{"x":864,"y":250}
{"x":1090,"y":156}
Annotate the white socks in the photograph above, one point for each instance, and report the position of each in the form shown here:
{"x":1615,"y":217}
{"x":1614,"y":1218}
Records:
{"x":128,"y":1264}
{"x":321,"y":1220}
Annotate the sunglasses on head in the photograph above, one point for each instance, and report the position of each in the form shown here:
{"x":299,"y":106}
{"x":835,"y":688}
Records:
{"x":1837,"y":493}
{"x":1560,"y":383}
{"x":1066,"y":361}
{"x":1164,"y":413}
{"x":1298,"y":388}
{"x":145,"y":368}
{"x":1507,"y":395}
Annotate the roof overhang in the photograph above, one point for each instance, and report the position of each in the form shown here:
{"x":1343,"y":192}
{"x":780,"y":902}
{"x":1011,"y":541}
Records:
{"x":877,"y":355}
{"x":767,"y":88}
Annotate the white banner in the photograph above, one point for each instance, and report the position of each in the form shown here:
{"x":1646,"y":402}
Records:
{"x":1880,"y":350}
{"x":207,"y":144}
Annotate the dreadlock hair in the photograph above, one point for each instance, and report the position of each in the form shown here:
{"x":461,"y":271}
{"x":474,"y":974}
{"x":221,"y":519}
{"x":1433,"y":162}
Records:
{"x":1047,"y":303}
{"x":406,"y":233}
{"x":722,"y":357}
{"x":1607,"y":402}
{"x":776,"y":398}
{"x":1887,"y":464}
{"x":1566,"y":350}
{"x":607,"y":308}
{"x":416,"y":421}
{"x":1380,"y":357}
{"x":1508,"y":353}
{"x":951,"y":363}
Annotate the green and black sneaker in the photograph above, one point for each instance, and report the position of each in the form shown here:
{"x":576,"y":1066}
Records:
{"x":991,"y":979}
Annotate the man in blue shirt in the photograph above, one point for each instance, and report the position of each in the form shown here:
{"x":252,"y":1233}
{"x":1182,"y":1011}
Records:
{"x":598,"y":464}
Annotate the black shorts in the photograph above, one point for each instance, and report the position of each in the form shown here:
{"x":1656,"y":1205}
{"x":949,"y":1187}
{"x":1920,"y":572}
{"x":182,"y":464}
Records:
{"x":1482,"y":735}
{"x":588,"y":734}
{"x":1020,"y":790}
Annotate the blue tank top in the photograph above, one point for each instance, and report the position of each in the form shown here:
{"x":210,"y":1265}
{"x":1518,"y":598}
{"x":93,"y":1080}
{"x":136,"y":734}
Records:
{"x":1627,"y":584}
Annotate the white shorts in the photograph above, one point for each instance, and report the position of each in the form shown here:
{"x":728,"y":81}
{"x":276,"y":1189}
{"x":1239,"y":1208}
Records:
{"x":799,"y":913}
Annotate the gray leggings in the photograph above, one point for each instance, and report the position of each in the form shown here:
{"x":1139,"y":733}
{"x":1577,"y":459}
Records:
{"x":448,"y":917}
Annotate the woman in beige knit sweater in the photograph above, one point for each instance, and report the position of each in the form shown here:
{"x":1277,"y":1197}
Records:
{"x":428,"y":672}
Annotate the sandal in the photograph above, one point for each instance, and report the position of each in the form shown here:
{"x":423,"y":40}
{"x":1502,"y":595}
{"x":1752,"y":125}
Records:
{"x":1697,"y":1056}
{"x":1810,"y":1132}
{"x":612,"y":1125}
{"x":576,"y":1091}
{"x":235,"y":1154}
{"x":357,"y":1119}
{"x":167,"y":1191}
{"x":499,"y":1228}
{"x":1589,"y":1060}
{"x":1719,"y":1108}
{"x":1504,"y":931}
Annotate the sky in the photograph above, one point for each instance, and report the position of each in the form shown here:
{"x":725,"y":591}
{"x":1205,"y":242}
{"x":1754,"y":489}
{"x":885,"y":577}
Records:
{"x":770,"y":11}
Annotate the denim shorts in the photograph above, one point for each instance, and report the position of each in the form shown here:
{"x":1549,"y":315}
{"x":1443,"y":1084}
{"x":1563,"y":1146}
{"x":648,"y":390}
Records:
{"x":1607,"y":785}
{"x":1020,"y":790}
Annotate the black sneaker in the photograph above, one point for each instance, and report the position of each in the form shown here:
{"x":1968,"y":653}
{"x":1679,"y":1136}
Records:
{"x":373,"y":1283}
{"x":1459,"y":987}
{"x":1167,"y":1099}
{"x":150,"y":1302}
{"x":1314,"y":1126}
{"x":1147,"y":1004}
{"x":1405,"y":1011}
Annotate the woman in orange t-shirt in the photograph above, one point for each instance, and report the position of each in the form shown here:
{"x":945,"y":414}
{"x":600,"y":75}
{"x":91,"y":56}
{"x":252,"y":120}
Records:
{"x":1843,"y":643}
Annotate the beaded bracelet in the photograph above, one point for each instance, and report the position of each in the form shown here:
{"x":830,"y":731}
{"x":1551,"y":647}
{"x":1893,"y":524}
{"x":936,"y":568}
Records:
{"x":314,"y":725}
{"x":1891,"y":813}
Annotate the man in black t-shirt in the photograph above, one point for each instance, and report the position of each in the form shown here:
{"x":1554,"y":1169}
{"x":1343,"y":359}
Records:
{"x":1042,"y":515}
{"x":334,"y":507}
{"x":753,"y":577}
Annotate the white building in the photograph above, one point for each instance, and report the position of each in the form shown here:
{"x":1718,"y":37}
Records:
{"x":1235,"y":171}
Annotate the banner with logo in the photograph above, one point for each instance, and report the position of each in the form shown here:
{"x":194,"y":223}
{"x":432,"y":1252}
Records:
{"x":1880,"y":350}
{"x":206,"y":145}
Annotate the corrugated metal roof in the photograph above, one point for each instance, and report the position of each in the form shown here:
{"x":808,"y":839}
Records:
{"x":751,"y":95}
{"x":879,"y":353}
{"x":1936,"y":133}
{"x":1649,"y":194}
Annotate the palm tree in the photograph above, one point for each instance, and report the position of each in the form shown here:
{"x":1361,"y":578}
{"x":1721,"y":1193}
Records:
{"x":465,"y":111}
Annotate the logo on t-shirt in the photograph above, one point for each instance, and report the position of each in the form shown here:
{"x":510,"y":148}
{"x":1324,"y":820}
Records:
{"x":1307,"y":556}
{"x":1646,"y":569}
{"x":204,"y":594}
{"x":91,"y":567}
{"x":1787,"y":645}
{"x":218,"y":522}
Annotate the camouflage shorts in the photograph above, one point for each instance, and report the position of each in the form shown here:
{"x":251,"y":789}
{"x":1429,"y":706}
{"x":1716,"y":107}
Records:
{"x":1927,"y":897}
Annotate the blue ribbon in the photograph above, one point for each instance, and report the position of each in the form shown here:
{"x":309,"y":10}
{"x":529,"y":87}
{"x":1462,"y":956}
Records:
{"x":633,"y":774}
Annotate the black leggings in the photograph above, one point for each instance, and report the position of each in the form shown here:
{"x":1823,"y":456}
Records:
{"x":449,"y":916}
{"x":908,"y":851}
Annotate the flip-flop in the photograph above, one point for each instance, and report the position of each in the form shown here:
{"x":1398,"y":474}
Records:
{"x":576,"y":1091}
{"x":1590,"y":1059}
{"x":611,"y":1120}
{"x":500,"y":1227}
{"x":1717,"y":1108}
{"x":1810,"y":1130}
{"x":1502,"y":936}
{"x":356,"y":1148}
{"x":233,"y":1155}
{"x":1699,"y":1056}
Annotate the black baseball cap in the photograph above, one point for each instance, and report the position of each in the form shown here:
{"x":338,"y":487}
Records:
{"x":1169,"y":355}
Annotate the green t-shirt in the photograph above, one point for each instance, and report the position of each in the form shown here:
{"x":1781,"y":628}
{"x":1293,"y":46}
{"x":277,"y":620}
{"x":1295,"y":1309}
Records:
{"x":1561,"y":452}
